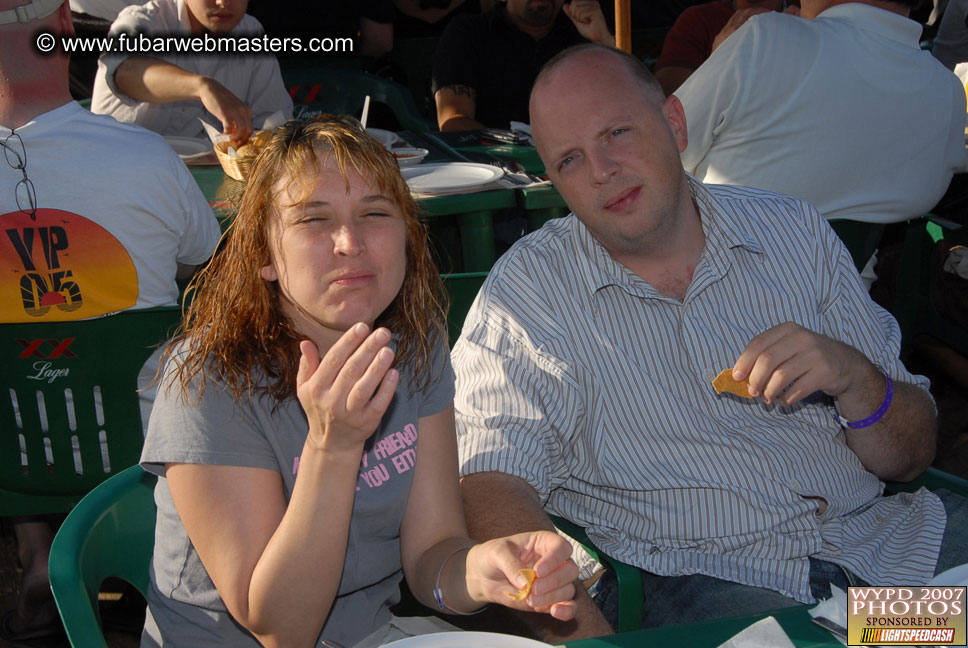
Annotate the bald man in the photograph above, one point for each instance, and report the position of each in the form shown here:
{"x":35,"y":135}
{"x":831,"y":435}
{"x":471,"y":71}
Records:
{"x":585,"y":369}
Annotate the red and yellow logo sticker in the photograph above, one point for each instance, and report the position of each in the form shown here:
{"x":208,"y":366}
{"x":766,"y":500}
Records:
{"x":61,"y":266}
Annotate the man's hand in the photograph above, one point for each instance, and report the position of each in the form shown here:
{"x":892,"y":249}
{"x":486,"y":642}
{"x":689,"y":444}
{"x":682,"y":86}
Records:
{"x":235,"y":115}
{"x":589,"y":21}
{"x":735,"y":22}
{"x":788,"y":362}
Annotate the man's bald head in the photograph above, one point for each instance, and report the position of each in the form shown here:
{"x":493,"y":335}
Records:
{"x":636,"y":70}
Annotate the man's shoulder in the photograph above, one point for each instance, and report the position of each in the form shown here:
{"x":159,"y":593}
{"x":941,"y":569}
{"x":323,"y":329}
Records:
{"x":764,"y":214}
{"x":773,"y":31}
{"x":537,"y":268}
{"x":249,"y":25}
{"x":104,"y":132}
{"x":543,"y":250}
{"x":156,"y":14}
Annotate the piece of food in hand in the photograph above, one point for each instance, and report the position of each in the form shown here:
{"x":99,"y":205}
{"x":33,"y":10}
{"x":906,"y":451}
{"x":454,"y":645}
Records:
{"x":724,"y":383}
{"x":522,"y":593}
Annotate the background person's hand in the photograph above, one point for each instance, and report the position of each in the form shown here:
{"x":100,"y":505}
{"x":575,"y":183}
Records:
{"x":346,"y":393}
{"x":788,"y":362}
{"x":233,"y":113}
{"x":493,"y":572}
{"x":589,"y":21}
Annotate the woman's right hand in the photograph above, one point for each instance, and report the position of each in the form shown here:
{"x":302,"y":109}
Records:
{"x":345,"y":393}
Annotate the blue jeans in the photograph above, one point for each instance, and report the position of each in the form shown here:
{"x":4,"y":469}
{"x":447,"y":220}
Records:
{"x":670,"y":600}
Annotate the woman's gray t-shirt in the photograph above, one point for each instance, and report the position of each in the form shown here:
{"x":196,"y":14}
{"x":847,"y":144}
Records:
{"x":184,"y":608}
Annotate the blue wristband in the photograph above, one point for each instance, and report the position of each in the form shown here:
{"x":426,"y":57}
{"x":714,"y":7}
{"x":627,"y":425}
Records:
{"x":876,"y":416}
{"x":439,"y":594}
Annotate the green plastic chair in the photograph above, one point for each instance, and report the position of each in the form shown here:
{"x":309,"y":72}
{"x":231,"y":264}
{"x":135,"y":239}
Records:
{"x":69,"y":410}
{"x":933,"y":479}
{"x":628,"y":577}
{"x":861,"y":239}
{"x":461,"y":288}
{"x":341,"y":91}
{"x":913,"y":309}
{"x":109,"y":534}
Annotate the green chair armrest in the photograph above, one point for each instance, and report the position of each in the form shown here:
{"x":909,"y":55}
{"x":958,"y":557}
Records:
{"x":629,"y":578}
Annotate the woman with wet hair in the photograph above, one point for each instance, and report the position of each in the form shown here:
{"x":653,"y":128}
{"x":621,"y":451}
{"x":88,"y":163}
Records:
{"x":304,"y":426}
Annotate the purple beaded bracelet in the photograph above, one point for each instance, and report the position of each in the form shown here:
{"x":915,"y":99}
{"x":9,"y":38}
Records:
{"x":876,"y":416}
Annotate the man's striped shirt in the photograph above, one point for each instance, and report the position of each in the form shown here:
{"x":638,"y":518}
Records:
{"x":577,"y":376}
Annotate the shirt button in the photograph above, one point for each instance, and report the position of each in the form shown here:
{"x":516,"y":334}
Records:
{"x":795,"y":485}
{"x":710,"y":375}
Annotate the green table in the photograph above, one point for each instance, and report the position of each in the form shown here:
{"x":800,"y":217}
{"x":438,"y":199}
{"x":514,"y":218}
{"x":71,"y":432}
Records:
{"x":541,"y":203}
{"x":222,"y":192}
{"x":796,"y":622}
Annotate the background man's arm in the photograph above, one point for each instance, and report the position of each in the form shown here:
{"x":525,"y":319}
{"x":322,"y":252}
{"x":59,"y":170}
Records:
{"x":456,"y":108}
{"x":153,"y":80}
{"x":497,"y":504}
{"x":589,"y":21}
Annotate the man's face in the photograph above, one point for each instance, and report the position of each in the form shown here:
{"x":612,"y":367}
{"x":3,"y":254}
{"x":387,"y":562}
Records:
{"x":215,"y":16}
{"x":611,"y":147}
{"x":535,"y":13}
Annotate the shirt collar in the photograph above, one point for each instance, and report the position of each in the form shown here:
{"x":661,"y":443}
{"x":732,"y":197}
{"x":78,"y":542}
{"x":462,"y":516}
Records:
{"x":724,"y":231}
{"x":890,"y":25}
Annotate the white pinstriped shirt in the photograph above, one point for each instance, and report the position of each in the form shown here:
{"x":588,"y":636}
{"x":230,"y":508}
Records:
{"x":578,"y":377}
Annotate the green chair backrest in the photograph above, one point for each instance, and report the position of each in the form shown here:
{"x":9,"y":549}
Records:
{"x":110,"y":533}
{"x":69,"y":407}
{"x":461,"y":288}
{"x":861,"y":239}
{"x":341,"y":91}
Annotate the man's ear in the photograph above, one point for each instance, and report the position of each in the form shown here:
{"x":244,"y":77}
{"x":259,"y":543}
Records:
{"x":675,"y":116}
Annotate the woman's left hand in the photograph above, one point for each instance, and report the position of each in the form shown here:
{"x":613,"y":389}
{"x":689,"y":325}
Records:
{"x":493,"y":573}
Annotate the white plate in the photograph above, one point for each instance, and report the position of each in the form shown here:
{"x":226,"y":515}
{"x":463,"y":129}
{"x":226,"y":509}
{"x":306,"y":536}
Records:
{"x":189,"y":148}
{"x":449,"y":176}
{"x":409,"y":156}
{"x":954,"y":577}
{"x":387,"y":138}
{"x":466,"y":640}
